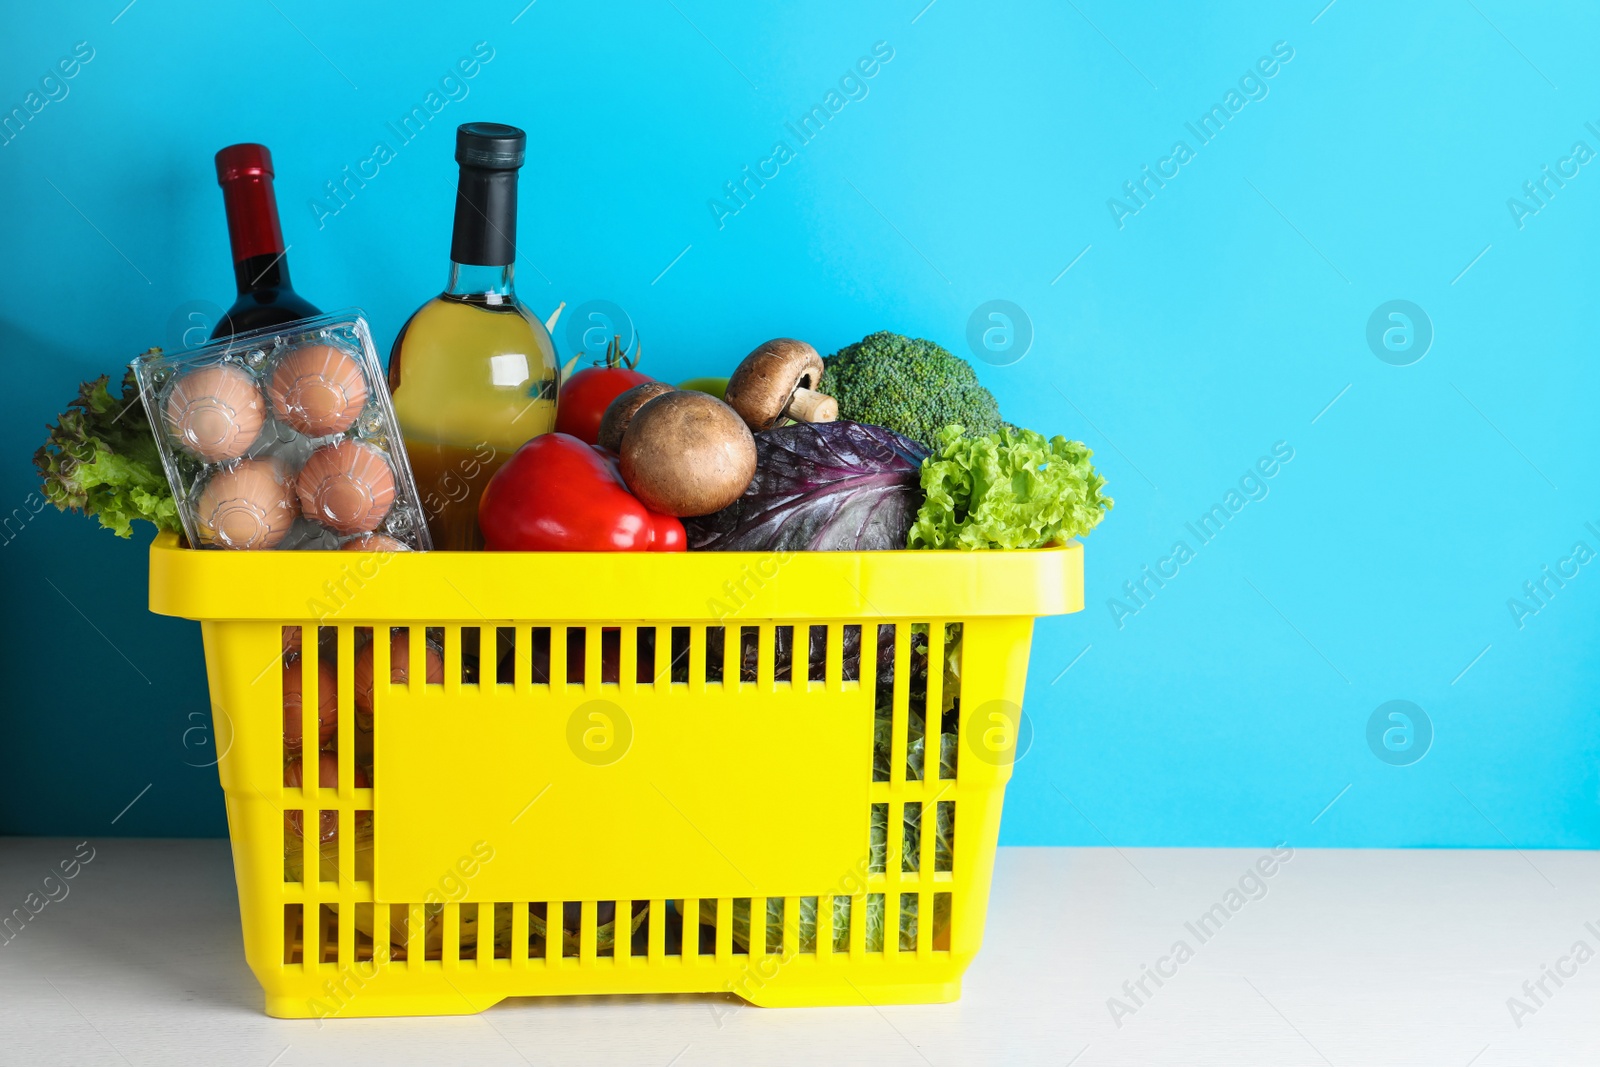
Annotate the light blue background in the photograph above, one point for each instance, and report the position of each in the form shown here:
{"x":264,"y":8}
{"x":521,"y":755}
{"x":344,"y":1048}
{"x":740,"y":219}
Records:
{"x":1223,"y":317}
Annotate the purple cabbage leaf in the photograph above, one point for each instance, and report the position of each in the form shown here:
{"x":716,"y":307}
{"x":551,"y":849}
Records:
{"x":827,"y":486}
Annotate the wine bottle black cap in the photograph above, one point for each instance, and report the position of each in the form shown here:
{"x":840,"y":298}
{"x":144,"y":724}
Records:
{"x":489,"y":145}
{"x":486,"y":194}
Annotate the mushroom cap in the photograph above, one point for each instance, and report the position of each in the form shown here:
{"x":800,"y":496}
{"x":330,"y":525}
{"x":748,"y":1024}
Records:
{"x":687,"y":453}
{"x":760,"y":388}
{"x":620,"y":412}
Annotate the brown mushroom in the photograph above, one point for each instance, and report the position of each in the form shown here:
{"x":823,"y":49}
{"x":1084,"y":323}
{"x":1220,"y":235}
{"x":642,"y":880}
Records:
{"x":780,"y":379}
{"x":614,"y":423}
{"x":687,"y":453}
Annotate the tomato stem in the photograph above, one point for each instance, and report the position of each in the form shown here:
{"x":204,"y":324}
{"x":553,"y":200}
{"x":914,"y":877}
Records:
{"x":616,"y":357}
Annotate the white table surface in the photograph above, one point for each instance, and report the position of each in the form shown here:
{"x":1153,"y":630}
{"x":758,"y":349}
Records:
{"x":1350,"y":957}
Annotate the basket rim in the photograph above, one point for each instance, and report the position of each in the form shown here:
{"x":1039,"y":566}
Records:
{"x":351,"y":587}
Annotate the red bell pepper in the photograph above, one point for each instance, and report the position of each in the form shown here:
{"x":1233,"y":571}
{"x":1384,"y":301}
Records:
{"x":557,"y":494}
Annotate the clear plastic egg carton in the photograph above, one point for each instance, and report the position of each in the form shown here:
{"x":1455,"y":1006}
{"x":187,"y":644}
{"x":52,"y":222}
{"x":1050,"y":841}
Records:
{"x":284,"y":438}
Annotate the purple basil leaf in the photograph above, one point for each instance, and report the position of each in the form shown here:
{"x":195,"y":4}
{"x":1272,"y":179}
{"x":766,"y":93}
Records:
{"x":827,"y":486}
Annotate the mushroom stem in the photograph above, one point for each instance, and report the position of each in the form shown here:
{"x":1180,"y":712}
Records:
{"x":808,"y":405}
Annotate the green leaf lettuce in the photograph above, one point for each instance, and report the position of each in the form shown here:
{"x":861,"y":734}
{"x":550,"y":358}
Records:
{"x":1010,"y":489}
{"x":101,"y":459}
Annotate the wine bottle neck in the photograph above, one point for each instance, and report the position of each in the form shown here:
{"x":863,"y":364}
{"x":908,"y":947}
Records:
{"x":261,"y":273}
{"x":245,"y":173}
{"x":252,"y":209}
{"x":492,"y":284}
{"x":485,"y":231}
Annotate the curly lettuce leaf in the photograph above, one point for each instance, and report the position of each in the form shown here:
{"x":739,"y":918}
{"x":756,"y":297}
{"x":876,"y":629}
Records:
{"x":101,"y":460}
{"x":1011,"y":489}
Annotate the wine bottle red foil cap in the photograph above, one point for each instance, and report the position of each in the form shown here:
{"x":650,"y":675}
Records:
{"x":244,"y":161}
{"x":245,"y":173}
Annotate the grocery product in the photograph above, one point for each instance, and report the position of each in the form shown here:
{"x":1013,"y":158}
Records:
{"x":1007,"y":489}
{"x":260,"y":261}
{"x":821,"y":487}
{"x":217,"y":411}
{"x":318,"y":390}
{"x":586,"y":396}
{"x":294,"y":703}
{"x":687,"y":453}
{"x":473,"y":371}
{"x":372,"y":542}
{"x":781,"y":379}
{"x":717,"y":387}
{"x":558,"y":494}
{"x":283,"y":438}
{"x":100,"y":464}
{"x":248,"y":504}
{"x":347,"y":487}
{"x":909,"y":385}
{"x":620,"y":412}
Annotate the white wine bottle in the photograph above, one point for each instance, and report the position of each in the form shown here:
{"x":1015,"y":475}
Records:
{"x":473,"y":371}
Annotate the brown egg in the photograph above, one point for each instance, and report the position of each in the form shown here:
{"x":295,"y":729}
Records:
{"x":374,"y":543}
{"x":318,"y":390}
{"x":216,"y":412}
{"x":348,"y":487}
{"x":399,"y":671}
{"x":327,"y":777}
{"x":363,"y":750}
{"x":248,"y":505}
{"x":294,"y":701}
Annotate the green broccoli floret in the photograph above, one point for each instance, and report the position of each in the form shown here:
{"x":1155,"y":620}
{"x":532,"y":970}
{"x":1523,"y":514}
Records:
{"x":908,"y":385}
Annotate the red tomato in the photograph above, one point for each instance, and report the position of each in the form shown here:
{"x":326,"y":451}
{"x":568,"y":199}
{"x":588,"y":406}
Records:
{"x":585,"y":396}
{"x":557,"y":494}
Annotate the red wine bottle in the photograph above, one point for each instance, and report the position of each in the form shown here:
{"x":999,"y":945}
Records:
{"x":259,"y":267}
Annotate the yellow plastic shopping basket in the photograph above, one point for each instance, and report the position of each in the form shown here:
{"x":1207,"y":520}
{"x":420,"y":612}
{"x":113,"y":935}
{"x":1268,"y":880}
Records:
{"x":773,"y":774}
